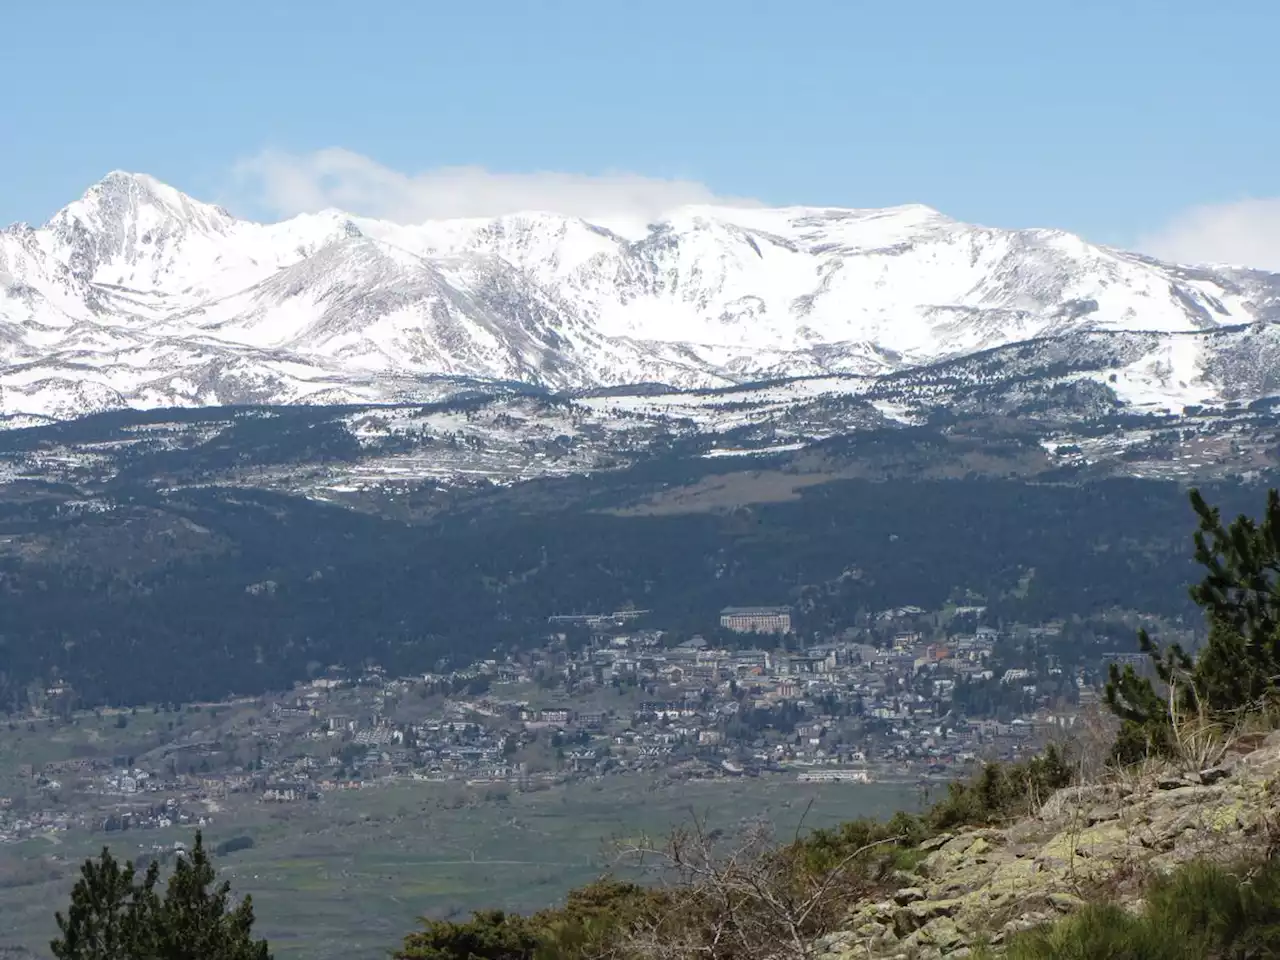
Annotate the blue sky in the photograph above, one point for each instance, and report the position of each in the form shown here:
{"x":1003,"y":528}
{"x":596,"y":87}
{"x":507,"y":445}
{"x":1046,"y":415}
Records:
{"x":1123,"y":120}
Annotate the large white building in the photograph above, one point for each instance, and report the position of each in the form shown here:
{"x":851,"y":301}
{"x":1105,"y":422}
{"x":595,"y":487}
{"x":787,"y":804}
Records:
{"x":756,"y":619}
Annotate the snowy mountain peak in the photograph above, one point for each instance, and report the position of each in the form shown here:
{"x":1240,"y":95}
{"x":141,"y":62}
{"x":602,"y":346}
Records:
{"x":139,"y":295}
{"x":130,"y":230}
{"x":120,"y":197}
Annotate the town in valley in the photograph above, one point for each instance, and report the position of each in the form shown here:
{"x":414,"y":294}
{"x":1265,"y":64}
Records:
{"x":906,"y":695}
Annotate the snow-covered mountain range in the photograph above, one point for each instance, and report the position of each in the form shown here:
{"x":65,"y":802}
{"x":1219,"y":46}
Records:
{"x":136,"y":295}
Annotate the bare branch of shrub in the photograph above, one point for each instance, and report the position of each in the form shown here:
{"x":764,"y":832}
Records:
{"x":742,"y":897}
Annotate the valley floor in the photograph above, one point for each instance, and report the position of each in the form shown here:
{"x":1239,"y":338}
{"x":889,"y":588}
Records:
{"x":348,"y":879}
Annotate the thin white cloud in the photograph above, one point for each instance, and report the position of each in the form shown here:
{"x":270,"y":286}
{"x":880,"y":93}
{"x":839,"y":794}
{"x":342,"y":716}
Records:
{"x":1243,"y":233}
{"x":285,"y":184}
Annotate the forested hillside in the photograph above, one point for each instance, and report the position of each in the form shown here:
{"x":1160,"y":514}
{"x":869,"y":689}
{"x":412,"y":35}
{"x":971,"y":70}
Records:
{"x":197,"y":593}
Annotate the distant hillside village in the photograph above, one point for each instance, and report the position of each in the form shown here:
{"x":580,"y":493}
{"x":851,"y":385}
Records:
{"x":910,"y":694}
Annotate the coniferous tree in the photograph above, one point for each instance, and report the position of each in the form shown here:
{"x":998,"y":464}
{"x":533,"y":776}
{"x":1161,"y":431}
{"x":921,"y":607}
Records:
{"x":1240,"y":666}
{"x":109,"y":912}
{"x":195,"y":921}
{"x":115,"y":916}
{"x":1238,"y":669}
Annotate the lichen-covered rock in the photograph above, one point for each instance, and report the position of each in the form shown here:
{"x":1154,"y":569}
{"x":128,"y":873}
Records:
{"x":934,"y":843}
{"x":1077,"y":797}
{"x":1085,"y":842}
{"x":916,"y":915}
{"x":1065,"y":902}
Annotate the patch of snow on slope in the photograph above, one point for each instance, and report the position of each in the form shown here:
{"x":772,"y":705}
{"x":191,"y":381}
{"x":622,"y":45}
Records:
{"x":1168,"y":379}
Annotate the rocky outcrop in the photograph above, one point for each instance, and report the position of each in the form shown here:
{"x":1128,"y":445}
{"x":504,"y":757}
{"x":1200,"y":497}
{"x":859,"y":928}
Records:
{"x":1092,"y":842}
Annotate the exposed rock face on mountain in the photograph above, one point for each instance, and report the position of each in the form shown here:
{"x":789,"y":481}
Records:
{"x":981,"y":885}
{"x":136,"y":295}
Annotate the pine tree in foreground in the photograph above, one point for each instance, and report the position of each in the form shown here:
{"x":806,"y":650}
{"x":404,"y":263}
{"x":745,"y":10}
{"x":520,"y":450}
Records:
{"x":1238,"y":670}
{"x":115,"y":916}
{"x":108,"y":912}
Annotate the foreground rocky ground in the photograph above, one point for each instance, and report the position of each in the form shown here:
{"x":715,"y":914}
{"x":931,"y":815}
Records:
{"x":1092,"y":842}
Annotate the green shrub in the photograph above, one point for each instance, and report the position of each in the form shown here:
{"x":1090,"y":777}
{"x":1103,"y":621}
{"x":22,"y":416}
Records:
{"x":1201,"y":911}
{"x":823,"y":850}
{"x":233,"y":845}
{"x":488,"y":935}
{"x":596,"y":918}
{"x":1001,"y":792}
{"x":593,"y":920}
{"x":1103,"y":932}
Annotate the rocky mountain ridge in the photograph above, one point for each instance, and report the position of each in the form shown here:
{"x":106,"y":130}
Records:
{"x":138,"y":296}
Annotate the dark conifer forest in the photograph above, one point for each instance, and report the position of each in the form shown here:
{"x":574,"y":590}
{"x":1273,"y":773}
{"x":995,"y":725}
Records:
{"x":201,"y":592}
